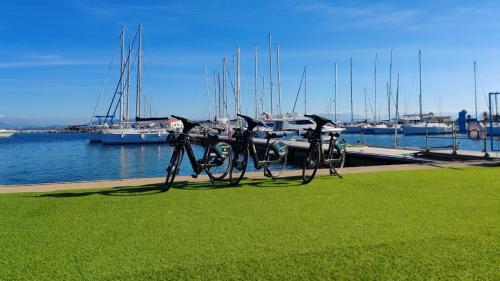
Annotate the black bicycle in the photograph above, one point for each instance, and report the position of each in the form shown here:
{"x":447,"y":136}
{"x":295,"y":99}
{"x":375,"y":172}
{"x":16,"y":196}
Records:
{"x":334,"y":157}
{"x":275,"y":154}
{"x":216,"y":160}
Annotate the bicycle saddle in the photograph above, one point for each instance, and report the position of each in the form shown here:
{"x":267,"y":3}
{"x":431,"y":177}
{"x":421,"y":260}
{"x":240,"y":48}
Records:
{"x":188,"y":124}
{"x":251,"y":122}
{"x":320,"y":121}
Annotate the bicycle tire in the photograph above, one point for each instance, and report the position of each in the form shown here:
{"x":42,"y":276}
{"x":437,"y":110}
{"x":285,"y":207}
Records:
{"x":311,"y":164}
{"x":216,"y":166}
{"x":276,"y":168}
{"x":173,"y":168}
{"x":239,"y":165}
{"x":338,"y":156}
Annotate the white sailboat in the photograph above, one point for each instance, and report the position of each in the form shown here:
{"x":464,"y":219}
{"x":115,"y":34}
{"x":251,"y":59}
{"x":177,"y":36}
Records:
{"x":141,"y":130}
{"x":425,"y":125}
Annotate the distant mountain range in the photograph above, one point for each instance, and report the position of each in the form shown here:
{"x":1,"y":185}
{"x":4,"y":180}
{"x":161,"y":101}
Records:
{"x":36,"y":123}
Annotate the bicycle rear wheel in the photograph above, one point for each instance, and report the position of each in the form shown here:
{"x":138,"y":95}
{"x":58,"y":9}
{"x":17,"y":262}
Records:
{"x":218,"y":161}
{"x":337,"y":154}
{"x":239,"y":165}
{"x":173,"y":168}
{"x":277,"y":157}
{"x":311,"y":163}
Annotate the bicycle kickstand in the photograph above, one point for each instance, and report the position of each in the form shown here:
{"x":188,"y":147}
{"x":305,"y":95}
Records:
{"x":335,"y":173}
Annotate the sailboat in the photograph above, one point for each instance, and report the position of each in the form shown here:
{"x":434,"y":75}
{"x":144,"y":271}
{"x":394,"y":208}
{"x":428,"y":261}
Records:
{"x":141,"y":130}
{"x":427,"y":124}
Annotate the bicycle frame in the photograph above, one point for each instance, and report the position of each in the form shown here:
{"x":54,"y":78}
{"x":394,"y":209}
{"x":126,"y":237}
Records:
{"x":184,"y":144}
{"x":318,"y":141}
{"x":258,"y":164}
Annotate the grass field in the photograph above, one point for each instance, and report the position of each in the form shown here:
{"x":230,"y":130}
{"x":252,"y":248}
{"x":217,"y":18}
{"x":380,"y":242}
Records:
{"x":413,"y":225}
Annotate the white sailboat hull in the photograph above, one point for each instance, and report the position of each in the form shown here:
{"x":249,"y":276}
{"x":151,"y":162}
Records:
{"x":133,"y":137}
{"x":353,"y":129}
{"x":381,"y":130}
{"x":422,"y":129}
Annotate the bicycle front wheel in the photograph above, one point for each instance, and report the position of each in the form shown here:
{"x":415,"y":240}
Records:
{"x":173,"y":168}
{"x":218,"y":161}
{"x":337,"y":154}
{"x":276,"y":158}
{"x":311,"y":164}
{"x":239,"y":165}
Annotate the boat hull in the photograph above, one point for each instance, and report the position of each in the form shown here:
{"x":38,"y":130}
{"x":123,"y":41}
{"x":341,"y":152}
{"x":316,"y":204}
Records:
{"x":353,"y":129}
{"x":493,"y":131}
{"x":422,"y":130}
{"x":381,"y":131}
{"x":6,"y":134}
{"x":134,"y":138}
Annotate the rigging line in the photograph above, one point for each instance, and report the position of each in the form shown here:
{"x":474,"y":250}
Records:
{"x":231,"y":81}
{"x":119,"y":81}
{"x":105,"y":83}
{"x":482,"y":86}
{"x":298,"y":92}
{"x":153,"y":57}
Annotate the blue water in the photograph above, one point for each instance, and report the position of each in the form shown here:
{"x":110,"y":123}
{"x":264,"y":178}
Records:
{"x":45,"y":158}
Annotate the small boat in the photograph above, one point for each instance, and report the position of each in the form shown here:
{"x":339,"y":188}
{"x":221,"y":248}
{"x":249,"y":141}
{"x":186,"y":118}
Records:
{"x":6,"y":133}
{"x":382,"y":129}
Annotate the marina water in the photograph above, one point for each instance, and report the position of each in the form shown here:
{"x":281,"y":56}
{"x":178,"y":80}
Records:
{"x":47,"y":158}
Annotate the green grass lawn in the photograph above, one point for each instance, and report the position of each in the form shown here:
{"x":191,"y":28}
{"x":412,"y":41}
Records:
{"x":425,"y":224}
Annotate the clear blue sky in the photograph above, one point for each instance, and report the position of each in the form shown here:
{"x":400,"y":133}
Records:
{"x":54,"y":54}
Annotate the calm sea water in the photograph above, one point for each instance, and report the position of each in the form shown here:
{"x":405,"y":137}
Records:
{"x":45,"y":158}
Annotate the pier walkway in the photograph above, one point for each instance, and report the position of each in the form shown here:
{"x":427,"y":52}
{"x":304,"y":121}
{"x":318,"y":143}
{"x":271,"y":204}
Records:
{"x":291,"y":174}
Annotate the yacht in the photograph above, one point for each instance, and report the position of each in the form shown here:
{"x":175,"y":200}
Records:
{"x":430,"y":128}
{"x":6,"y":133}
{"x":292,"y":122}
{"x":385,"y":128}
{"x":134,"y":136}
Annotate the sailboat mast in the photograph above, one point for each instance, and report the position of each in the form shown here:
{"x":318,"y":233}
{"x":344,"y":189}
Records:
{"x":263,"y":93}
{"x":220,"y":112}
{"x":305,"y":90}
{"x":366,"y":108}
{"x":375,"y":86}
{"x":420,"y":82}
{"x":279,"y":76}
{"x":122,"y":71}
{"x":396,"y":119}
{"x":256,"y":82}
{"x":216,"y":114}
{"x":350,"y":71}
{"x":387,"y":89}
{"x":224,"y":86}
{"x":208,"y":93}
{"x":475,"y":87}
{"x":335,"y":94}
{"x":128,"y":83}
{"x":139,"y":76}
{"x":271,"y":72}
{"x":389,"y":94}
{"x":238,"y":91}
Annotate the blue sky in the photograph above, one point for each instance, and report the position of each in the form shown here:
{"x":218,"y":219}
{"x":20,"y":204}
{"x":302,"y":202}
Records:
{"x":55,"y":54}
